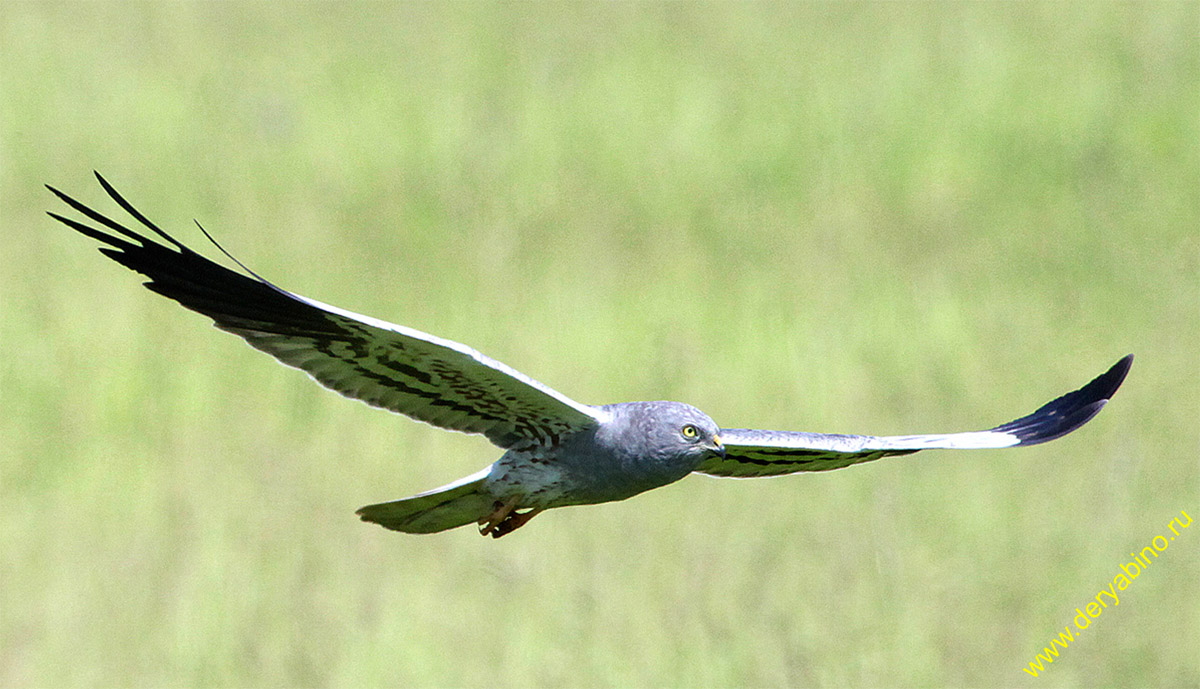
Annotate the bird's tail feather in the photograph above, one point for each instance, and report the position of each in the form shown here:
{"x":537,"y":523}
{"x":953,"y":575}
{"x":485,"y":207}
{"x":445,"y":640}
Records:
{"x":456,"y":504}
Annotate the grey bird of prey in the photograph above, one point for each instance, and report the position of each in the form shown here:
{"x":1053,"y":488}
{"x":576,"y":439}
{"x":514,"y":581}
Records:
{"x":557,"y":452}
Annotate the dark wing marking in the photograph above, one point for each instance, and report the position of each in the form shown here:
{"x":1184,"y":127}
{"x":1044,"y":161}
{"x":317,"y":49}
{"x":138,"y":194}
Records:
{"x":750,"y":453}
{"x":438,"y":381}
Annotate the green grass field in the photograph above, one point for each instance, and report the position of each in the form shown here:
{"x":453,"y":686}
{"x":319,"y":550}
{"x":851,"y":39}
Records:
{"x":876,"y":218}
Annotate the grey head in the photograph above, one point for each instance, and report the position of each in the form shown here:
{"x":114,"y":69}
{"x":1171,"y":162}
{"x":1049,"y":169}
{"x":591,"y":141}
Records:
{"x":642,"y":445}
{"x":661,"y":431}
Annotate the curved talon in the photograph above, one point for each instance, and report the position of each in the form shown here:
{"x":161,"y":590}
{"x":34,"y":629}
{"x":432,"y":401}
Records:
{"x":514,"y":521}
{"x":500,"y":512}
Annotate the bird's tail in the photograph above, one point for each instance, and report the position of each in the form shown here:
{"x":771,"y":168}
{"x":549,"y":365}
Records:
{"x":456,"y":504}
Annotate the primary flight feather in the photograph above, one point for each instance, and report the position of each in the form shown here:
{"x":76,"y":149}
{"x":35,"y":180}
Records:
{"x":558,"y":452}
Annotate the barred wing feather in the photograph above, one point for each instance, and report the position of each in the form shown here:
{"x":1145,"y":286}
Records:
{"x":435,"y":380}
{"x":752,"y":453}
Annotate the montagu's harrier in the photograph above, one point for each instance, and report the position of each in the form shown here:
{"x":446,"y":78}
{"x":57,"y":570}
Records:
{"x":558,"y":452}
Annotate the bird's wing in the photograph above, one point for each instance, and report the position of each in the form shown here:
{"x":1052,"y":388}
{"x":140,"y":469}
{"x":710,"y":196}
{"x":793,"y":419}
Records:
{"x":438,"y":381}
{"x":751,"y":453}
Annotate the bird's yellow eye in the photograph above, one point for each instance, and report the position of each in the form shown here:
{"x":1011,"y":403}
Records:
{"x":690,"y":432}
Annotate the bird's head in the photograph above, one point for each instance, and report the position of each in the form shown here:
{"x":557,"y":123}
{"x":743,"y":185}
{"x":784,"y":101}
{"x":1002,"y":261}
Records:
{"x":667,"y":431}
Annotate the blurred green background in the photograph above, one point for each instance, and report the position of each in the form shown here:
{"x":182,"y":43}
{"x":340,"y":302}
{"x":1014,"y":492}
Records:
{"x":876,"y":218}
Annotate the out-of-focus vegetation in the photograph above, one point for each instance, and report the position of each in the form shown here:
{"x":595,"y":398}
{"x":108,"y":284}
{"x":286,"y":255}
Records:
{"x":874,"y":218}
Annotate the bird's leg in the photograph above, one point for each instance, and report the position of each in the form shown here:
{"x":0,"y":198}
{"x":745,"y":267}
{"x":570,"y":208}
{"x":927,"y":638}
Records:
{"x":504,"y":519}
{"x":488,"y":525}
{"x":514,"y":521}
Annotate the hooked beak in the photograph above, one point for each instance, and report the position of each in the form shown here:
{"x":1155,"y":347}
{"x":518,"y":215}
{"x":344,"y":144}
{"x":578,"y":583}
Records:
{"x":718,"y":446}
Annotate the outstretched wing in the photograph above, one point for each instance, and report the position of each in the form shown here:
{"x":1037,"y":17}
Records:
{"x":752,"y":453}
{"x":438,"y":381}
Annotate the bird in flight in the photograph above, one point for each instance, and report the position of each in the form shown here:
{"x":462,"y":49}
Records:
{"x":557,"y":452}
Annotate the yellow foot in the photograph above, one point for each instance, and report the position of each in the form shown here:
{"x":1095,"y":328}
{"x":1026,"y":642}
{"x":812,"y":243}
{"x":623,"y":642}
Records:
{"x":499,"y":513}
{"x":504,"y":519}
{"x":513,"y":522}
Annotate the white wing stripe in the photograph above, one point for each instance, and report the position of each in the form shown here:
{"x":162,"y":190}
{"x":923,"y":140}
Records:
{"x":978,"y":440}
{"x":594,"y":412}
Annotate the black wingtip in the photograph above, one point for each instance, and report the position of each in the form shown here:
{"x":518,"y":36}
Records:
{"x":116,"y":196}
{"x":1105,"y":385}
{"x":1121,"y":368}
{"x":1072,"y":410}
{"x":231,"y":299}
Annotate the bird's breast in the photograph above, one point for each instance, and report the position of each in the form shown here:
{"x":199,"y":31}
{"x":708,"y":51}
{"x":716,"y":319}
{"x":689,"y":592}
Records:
{"x":576,"y":474}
